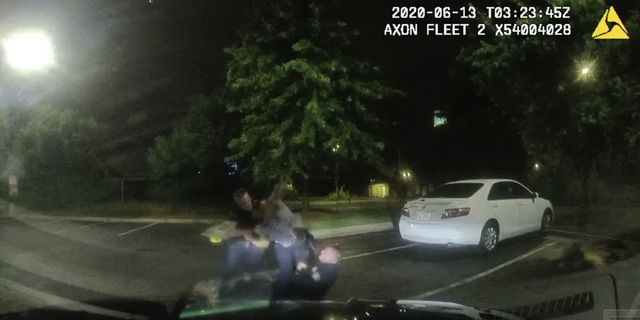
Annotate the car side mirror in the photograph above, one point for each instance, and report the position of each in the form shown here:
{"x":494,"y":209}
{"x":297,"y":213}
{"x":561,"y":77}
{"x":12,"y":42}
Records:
{"x":534,"y":196}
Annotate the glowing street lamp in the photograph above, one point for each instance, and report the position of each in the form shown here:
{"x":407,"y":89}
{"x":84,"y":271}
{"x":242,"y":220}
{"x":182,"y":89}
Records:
{"x":26,"y":52}
{"x":585,"y":70}
{"x":406,"y":175}
{"x":29,"y":51}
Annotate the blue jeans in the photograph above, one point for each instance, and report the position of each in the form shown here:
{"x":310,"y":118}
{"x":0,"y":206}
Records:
{"x":240,"y":254}
{"x":285,"y":261}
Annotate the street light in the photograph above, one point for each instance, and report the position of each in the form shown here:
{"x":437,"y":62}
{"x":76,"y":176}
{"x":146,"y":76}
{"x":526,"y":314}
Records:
{"x":585,"y":70}
{"x":29,"y":51}
{"x":335,"y":177}
{"x":26,"y":52}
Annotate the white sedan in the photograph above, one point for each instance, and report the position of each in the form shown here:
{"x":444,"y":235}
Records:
{"x":479,"y":212}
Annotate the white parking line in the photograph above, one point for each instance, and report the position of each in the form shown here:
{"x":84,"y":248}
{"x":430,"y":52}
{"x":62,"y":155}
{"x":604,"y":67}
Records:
{"x":134,"y":230}
{"x":482,"y":274}
{"x":80,"y":227}
{"x":379,"y":251}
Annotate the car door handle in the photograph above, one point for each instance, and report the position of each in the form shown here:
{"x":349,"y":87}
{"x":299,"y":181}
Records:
{"x":521,"y":203}
{"x":494,"y":205}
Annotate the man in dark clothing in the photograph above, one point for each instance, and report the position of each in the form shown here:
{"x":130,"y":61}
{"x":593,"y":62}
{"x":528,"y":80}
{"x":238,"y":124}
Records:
{"x":240,"y":252}
{"x":313,"y":282}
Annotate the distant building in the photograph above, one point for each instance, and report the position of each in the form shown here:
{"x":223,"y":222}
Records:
{"x":379,"y":190}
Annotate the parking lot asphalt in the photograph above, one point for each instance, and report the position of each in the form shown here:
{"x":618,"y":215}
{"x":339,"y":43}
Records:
{"x":98,"y":263}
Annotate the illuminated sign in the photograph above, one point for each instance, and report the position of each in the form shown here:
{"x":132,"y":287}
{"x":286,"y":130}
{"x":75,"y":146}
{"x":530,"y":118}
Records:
{"x":439,"y":118}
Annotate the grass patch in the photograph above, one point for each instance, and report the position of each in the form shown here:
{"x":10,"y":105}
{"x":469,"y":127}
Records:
{"x":606,"y":221}
{"x":565,"y":216}
{"x":323,"y":220}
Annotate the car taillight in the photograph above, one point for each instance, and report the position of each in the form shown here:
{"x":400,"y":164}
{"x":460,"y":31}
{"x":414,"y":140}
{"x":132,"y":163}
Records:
{"x":454,"y":213}
{"x":405,"y":212}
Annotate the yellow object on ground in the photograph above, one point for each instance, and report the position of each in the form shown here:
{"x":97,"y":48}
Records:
{"x":215,"y":239}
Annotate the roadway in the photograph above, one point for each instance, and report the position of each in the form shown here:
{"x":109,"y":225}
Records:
{"x":99,"y":263}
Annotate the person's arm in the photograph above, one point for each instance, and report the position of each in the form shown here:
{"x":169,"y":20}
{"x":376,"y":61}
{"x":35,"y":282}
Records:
{"x":257,"y":239}
{"x":284,"y":216}
{"x":279,"y":191}
{"x":234,"y":228}
{"x":233,"y":231}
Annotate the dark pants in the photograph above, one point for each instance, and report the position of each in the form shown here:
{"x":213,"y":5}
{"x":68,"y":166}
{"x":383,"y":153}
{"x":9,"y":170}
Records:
{"x":241,"y":254}
{"x":285,"y":261}
{"x":304,"y":247}
{"x":301,"y":251}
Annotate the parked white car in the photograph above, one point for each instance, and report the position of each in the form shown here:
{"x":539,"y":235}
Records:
{"x":479,"y":212}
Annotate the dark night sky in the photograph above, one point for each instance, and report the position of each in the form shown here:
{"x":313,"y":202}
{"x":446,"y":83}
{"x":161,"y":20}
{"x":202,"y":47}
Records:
{"x":132,"y":62}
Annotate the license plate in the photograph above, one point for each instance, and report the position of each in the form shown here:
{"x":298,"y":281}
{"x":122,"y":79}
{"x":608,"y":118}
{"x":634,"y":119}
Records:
{"x":424,"y":215}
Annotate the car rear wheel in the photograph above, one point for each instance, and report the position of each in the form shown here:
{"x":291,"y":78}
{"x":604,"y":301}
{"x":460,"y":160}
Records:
{"x":546,"y":223}
{"x":489,"y":237}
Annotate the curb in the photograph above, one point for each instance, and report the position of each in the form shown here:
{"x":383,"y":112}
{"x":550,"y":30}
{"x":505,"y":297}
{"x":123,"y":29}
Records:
{"x":351,"y":231}
{"x":17,"y":212}
{"x":329,"y":233}
{"x":118,"y":220}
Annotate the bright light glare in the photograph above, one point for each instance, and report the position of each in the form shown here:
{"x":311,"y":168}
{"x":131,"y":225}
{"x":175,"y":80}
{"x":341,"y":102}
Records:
{"x":585,"y":70}
{"x":29,"y":51}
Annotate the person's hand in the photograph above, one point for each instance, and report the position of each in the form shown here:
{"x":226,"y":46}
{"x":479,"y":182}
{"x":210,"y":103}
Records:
{"x":301,"y":266}
{"x":261,"y":243}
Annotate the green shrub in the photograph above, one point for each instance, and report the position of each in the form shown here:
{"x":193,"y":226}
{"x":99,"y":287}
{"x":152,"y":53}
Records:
{"x":339,"y":195}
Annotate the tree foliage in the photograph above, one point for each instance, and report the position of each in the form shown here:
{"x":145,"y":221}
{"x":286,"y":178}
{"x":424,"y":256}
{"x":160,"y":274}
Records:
{"x":192,"y":155}
{"x":300,"y":93}
{"x":5,"y":143}
{"x":58,"y":141}
{"x":565,"y":116}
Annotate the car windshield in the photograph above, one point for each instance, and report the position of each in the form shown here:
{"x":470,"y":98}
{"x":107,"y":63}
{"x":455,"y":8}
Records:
{"x":455,"y":190}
